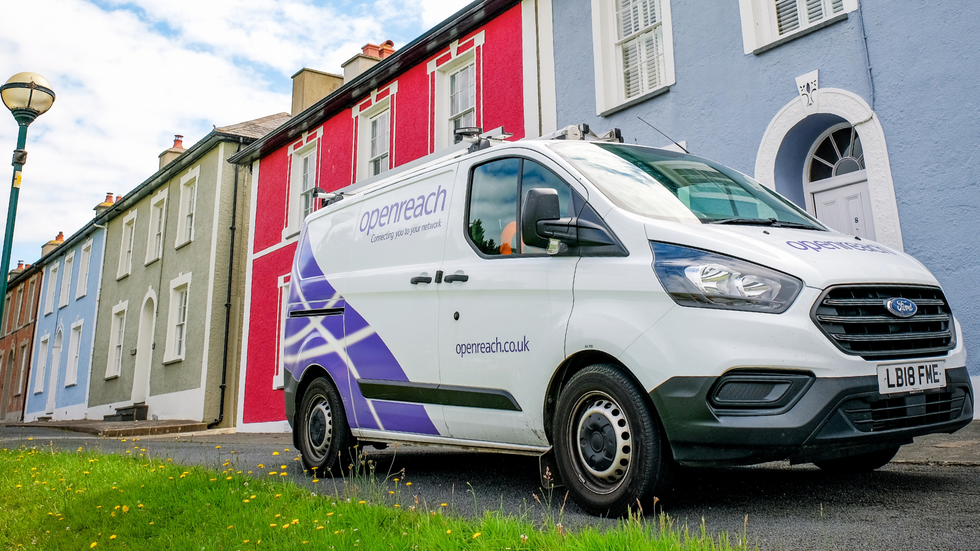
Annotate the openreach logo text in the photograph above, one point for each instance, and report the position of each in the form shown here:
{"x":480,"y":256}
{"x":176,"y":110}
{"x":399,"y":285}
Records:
{"x":408,"y":209}
{"x":494,"y":347}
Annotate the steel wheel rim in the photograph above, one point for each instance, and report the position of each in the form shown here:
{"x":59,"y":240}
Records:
{"x":602,"y":439}
{"x":319,"y":427}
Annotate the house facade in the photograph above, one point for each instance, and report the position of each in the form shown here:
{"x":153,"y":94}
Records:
{"x":859,"y":112}
{"x":488,"y":66}
{"x":63,"y":342}
{"x":170,"y":308}
{"x":17,"y":330}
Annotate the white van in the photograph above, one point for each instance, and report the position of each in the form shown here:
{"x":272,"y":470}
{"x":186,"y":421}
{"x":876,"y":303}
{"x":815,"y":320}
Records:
{"x":614,"y":309}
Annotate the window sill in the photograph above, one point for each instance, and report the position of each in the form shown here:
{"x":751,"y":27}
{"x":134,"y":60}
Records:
{"x":790,"y":37}
{"x":121,"y":277}
{"x":71,"y":385}
{"x":637,"y":100}
{"x":80,"y":297}
{"x":172,"y":361}
{"x":110,"y":377}
{"x":184,"y":244}
{"x":151,"y":261}
{"x":289,"y":233}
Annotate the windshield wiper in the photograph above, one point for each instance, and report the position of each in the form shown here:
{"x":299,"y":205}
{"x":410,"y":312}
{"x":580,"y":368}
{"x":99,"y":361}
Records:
{"x":771,"y":222}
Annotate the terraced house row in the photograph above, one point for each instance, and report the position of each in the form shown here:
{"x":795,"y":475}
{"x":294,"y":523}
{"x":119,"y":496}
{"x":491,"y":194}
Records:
{"x":169,"y":303}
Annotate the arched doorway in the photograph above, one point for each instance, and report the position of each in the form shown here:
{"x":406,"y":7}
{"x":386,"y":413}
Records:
{"x":835,"y":182}
{"x":144,"y":348}
{"x":798,"y":130}
{"x":53,"y":381}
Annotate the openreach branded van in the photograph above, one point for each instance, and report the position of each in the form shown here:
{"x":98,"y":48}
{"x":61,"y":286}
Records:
{"x":614,"y":309}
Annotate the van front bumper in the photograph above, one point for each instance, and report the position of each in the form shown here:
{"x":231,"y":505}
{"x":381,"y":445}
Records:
{"x":823,"y":418}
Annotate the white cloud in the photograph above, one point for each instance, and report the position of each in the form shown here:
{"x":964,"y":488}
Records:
{"x":131,"y":74}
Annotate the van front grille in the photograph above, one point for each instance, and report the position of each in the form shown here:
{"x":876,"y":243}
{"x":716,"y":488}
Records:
{"x":855,"y":318}
{"x":875,"y":414}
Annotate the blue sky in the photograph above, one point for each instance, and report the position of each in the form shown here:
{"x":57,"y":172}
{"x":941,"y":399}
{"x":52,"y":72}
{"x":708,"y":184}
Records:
{"x":130,"y":75}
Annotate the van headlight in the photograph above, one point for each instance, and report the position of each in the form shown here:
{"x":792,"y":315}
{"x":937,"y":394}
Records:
{"x":705,"y":279}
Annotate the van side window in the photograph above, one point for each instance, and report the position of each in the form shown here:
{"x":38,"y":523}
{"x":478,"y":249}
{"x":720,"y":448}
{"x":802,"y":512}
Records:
{"x":493,"y":209}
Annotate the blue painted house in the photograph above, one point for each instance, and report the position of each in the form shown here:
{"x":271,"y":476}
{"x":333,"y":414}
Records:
{"x":866,"y":114}
{"x":65,"y":329}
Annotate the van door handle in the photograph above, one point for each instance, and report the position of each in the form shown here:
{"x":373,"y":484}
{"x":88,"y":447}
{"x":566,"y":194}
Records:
{"x":421,"y":279}
{"x":456,"y":277}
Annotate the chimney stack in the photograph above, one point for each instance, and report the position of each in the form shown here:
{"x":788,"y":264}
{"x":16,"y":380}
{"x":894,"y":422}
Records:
{"x":53,"y":244}
{"x":170,"y":154}
{"x":311,"y":86}
{"x":371,"y":55}
{"x":104,"y":205}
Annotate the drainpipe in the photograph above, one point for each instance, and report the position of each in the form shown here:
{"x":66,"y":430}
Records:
{"x":231,"y":274}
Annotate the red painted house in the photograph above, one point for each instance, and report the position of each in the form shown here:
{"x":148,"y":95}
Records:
{"x":489,"y":65}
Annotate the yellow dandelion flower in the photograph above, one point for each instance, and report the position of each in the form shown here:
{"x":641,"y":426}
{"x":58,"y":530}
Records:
{"x":283,"y":474}
{"x":228,"y":478}
{"x":251,"y":497}
{"x":116,"y":507}
{"x":295,"y":521}
{"x":261,"y":466}
{"x":244,"y":501}
{"x":476,"y":535}
{"x":408,"y":483}
{"x":443,"y":504}
{"x":217,"y":447}
{"x":362,"y":502}
{"x":112,"y":537}
{"x":271,"y":473}
{"x":284,"y":526}
{"x":232,"y":526}
{"x":125,"y":508}
{"x":94,"y":543}
{"x":449,"y":531}
{"x":214,"y":479}
{"x":391,"y":491}
{"x":275,"y":453}
{"x":273,"y":525}
{"x":330,"y":514}
{"x":315,"y":480}
{"x":320,"y":527}
{"x":278,"y":495}
{"x":397,"y":505}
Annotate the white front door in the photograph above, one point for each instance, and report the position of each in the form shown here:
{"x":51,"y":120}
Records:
{"x":843,"y":203}
{"x":144,"y":351}
{"x":55,"y":364}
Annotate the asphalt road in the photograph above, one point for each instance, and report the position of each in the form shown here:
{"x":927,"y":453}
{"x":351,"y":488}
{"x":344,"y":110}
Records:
{"x":900,"y":507}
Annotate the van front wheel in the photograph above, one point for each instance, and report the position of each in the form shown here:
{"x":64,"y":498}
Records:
{"x":324,"y":435}
{"x":607,"y":441}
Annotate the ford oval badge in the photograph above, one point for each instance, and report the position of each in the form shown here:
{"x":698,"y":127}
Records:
{"x":901,"y":307}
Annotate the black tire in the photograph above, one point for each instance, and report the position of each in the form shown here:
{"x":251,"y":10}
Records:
{"x":608,"y":447}
{"x":324,"y":436}
{"x":863,"y":463}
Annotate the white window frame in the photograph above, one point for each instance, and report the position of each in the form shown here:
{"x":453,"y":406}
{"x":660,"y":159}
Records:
{"x":177,"y":319}
{"x":84,"y":266}
{"x":52,"y":281}
{"x":42,"y":363}
{"x":7,"y":314}
{"x":442,"y":134}
{"x":158,"y":227}
{"x":30,"y":299}
{"x":187,"y":215}
{"x":126,"y":245}
{"x":278,"y":378}
{"x":74,"y":345}
{"x":66,"y":280}
{"x":18,"y":312}
{"x":760,"y":27}
{"x":301,"y":185}
{"x":463,"y":116}
{"x":379,"y":143}
{"x":608,"y":57}
{"x":364,"y":117}
{"x":117,"y":340}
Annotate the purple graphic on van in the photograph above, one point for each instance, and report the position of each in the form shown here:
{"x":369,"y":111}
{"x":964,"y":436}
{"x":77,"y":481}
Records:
{"x":323,"y":330}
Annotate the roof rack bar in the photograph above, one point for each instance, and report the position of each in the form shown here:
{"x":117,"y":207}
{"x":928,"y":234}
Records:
{"x":583,"y":132}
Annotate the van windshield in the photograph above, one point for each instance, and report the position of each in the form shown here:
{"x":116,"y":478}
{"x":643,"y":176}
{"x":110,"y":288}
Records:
{"x":674,"y":186}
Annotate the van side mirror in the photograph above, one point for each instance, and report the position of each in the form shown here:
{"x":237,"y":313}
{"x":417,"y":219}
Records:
{"x":540,"y":204}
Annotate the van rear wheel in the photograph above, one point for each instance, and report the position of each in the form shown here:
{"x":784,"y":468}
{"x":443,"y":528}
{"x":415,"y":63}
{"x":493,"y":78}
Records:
{"x":324,"y":435}
{"x":608,"y":446}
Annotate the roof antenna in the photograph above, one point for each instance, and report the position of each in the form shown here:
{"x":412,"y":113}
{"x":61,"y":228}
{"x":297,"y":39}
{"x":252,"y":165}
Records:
{"x":666,"y":136}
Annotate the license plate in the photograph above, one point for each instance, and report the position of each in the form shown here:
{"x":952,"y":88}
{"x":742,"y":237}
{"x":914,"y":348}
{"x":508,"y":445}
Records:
{"x":911,"y":377}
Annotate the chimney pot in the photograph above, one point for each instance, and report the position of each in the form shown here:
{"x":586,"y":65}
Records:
{"x":178,"y":141}
{"x":61,"y":237}
{"x":118,"y":197}
{"x":20,"y":264}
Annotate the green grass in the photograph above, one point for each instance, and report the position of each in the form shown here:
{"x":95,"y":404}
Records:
{"x":83,"y":500}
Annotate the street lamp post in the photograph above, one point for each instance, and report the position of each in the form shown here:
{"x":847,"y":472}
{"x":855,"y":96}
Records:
{"x":27,"y":95}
